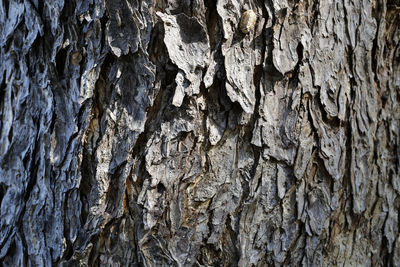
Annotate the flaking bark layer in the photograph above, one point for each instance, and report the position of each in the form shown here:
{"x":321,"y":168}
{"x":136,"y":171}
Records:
{"x":156,"y":133}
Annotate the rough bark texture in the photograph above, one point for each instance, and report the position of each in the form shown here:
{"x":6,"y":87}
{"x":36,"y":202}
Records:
{"x":155,"y":133}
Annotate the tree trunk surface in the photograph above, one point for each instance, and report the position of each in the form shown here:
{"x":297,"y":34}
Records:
{"x":157,"y":133}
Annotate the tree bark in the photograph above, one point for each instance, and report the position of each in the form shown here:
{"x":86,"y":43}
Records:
{"x":157,"y":133}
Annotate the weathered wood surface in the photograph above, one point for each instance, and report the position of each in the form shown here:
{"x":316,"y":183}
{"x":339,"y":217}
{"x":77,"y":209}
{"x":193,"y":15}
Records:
{"x":155,"y":133}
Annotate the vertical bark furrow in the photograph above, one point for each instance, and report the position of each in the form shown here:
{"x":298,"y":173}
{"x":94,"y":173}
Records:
{"x":157,"y":133}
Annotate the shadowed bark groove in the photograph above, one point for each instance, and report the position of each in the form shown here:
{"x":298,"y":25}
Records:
{"x":156,"y":133}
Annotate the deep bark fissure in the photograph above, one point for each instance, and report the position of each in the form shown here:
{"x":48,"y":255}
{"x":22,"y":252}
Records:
{"x":157,"y":133}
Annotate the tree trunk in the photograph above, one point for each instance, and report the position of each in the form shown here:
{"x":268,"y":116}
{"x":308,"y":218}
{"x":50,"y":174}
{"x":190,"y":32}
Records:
{"x":157,"y":133}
